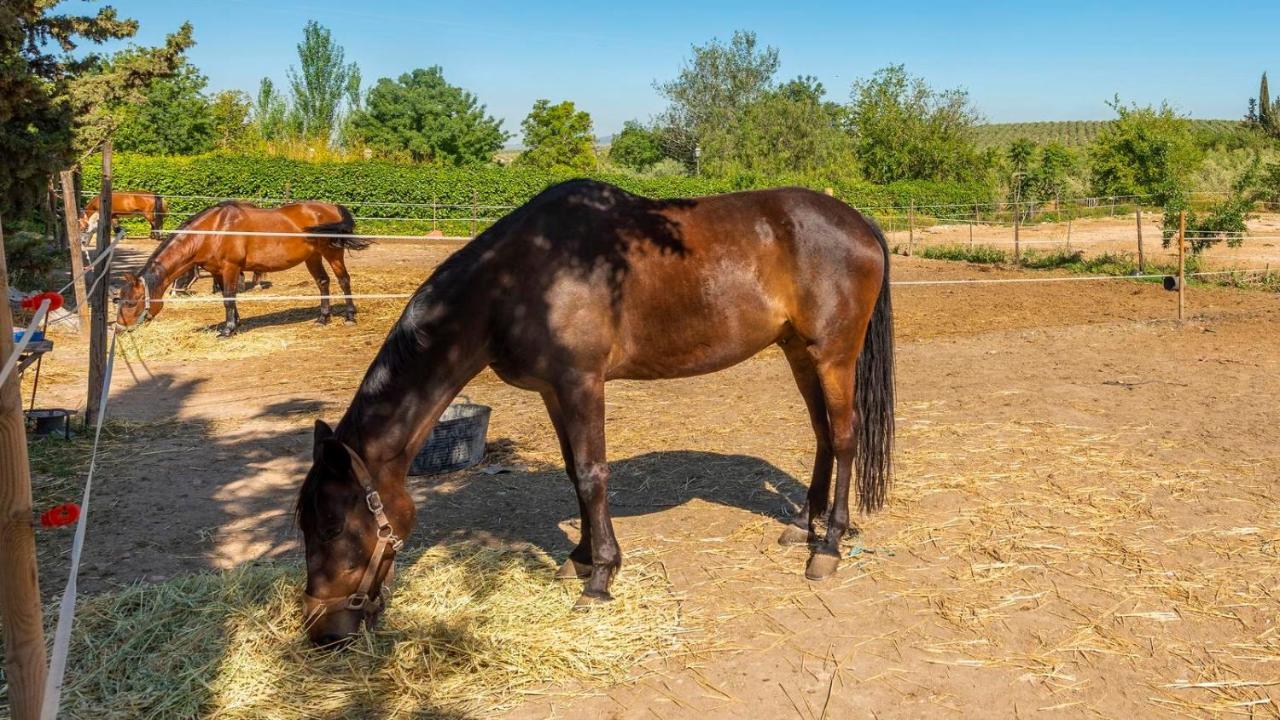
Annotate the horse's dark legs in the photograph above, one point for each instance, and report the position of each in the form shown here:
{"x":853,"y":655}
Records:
{"x":316,"y":268}
{"x":803,"y":529}
{"x":339,"y":265}
{"x":837,"y":380}
{"x":578,"y":564}
{"x":581,"y":400}
{"x":229,"y":277}
{"x":259,"y":280}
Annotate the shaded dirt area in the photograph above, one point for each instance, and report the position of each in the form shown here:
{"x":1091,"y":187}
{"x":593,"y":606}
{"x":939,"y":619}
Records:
{"x":1085,"y":520}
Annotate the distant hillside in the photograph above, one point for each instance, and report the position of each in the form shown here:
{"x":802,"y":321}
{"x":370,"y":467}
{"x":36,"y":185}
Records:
{"x":1072,"y":133}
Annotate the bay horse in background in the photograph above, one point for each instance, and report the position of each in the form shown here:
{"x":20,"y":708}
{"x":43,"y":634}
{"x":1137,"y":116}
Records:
{"x":147,"y":204}
{"x":321,"y":234}
{"x":587,"y":283}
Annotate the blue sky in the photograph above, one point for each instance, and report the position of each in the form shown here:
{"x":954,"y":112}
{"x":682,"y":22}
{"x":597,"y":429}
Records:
{"x":1020,"y":61}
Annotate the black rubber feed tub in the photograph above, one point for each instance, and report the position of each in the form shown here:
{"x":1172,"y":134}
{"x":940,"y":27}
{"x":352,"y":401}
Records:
{"x":456,"y":442}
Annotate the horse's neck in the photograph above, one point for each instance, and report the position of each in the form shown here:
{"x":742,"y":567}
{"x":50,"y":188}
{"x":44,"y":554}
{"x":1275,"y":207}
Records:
{"x":416,"y":373}
{"x":177,"y":257}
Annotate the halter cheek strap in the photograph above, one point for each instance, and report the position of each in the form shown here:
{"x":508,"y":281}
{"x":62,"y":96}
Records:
{"x":359,"y":600}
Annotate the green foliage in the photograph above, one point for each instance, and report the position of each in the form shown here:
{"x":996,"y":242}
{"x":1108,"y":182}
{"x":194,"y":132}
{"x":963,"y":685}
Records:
{"x":984,"y":254}
{"x":365,"y":184}
{"x":1145,"y":151}
{"x":1267,"y":119}
{"x":174,"y":118}
{"x":229,"y":114}
{"x":636,"y":147}
{"x":1071,"y":134}
{"x":104,"y":97}
{"x":558,"y":137}
{"x":30,"y":258}
{"x":712,"y":90}
{"x":1223,"y":220}
{"x":905,"y":130}
{"x":269,"y":112}
{"x":36,"y":112}
{"x":421,"y":117}
{"x":1039,"y":174}
{"x":1050,"y":259}
{"x":319,"y":84}
{"x":790,"y":129}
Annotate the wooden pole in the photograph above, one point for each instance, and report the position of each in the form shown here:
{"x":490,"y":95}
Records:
{"x":98,"y":303}
{"x":975,"y":222}
{"x":1017,"y":226}
{"x":1182,"y":262}
{"x":24,"y":653}
{"x":1142,"y":258}
{"x":911,"y":229}
{"x":475,"y":211}
{"x":72,"y":212}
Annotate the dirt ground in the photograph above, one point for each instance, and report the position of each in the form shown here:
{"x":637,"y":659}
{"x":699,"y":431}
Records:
{"x":1085,"y":522}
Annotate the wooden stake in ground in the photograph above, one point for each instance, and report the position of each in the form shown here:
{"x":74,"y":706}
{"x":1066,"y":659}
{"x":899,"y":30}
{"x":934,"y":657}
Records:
{"x":1182,"y":261}
{"x":71,"y":211}
{"x":24,"y":653}
{"x":98,"y":302}
{"x":1142,"y":258}
{"x":911,"y":229}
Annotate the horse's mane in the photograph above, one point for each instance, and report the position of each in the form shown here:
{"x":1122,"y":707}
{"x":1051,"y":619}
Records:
{"x":173,"y":236}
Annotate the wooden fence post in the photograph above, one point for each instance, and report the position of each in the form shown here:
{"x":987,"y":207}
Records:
{"x":475,"y":211}
{"x":1182,"y":262}
{"x":1017,"y":232}
{"x":98,"y":303}
{"x":911,"y":229}
{"x":71,"y":209}
{"x":1142,"y":258}
{"x":24,"y":653}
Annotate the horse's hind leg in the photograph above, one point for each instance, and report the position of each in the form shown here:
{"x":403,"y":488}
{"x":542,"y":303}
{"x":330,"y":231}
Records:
{"x":581,"y":399}
{"x":803,"y":529}
{"x":316,"y":268}
{"x":339,"y":265}
{"x":578,"y":565}
{"x":229,"y":276}
{"x":837,"y":379}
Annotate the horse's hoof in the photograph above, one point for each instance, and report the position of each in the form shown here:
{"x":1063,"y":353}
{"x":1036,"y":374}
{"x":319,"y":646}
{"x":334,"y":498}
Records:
{"x":322,"y":320}
{"x":265,"y":285}
{"x":821,"y":566}
{"x":792,"y":535}
{"x":349,"y":321}
{"x":224,"y":334}
{"x":591,"y":598}
{"x":573,"y":570}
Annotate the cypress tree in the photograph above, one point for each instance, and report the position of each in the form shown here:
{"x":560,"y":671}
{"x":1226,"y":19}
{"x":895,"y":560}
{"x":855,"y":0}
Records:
{"x":1265,"y":118}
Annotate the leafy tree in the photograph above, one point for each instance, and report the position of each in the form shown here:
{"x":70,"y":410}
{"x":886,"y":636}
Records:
{"x":320,"y":83}
{"x":38,"y":107}
{"x":173,"y":119}
{"x":905,"y":130}
{"x":789,"y":129}
{"x":710,"y":92}
{"x":636,"y":147}
{"x":558,"y":136}
{"x":270,"y":112}
{"x":1145,"y":151}
{"x":229,"y":114}
{"x":423,"y":117}
{"x":1266,"y":118}
{"x":1226,"y":219}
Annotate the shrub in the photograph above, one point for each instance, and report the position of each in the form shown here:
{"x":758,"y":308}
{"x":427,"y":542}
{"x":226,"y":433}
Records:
{"x":985,"y":254}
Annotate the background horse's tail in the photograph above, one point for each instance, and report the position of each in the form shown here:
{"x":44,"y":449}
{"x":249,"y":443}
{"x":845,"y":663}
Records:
{"x":158,"y":211}
{"x":345,"y":226}
{"x":875,"y":390}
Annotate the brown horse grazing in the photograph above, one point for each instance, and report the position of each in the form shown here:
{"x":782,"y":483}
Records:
{"x":321,"y":229}
{"x":587,"y":283}
{"x":147,"y":204}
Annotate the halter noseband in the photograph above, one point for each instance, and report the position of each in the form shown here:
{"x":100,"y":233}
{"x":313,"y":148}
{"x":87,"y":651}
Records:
{"x":359,"y":600}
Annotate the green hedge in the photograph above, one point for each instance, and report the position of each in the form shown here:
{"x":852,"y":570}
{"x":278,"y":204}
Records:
{"x":365,"y":185}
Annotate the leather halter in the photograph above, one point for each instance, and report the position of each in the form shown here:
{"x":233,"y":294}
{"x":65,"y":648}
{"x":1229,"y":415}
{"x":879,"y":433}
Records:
{"x":359,"y":600}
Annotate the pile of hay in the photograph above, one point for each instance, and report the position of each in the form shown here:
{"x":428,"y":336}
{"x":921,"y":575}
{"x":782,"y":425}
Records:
{"x":469,"y":630}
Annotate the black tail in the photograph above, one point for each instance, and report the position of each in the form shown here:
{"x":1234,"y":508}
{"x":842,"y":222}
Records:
{"x":875,"y":390}
{"x":345,"y":226}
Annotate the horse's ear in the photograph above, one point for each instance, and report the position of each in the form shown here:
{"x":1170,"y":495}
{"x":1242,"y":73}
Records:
{"x":328,"y":451}
{"x":323,"y":431}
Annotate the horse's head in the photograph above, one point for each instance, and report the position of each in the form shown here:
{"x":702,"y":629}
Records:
{"x":134,"y":304}
{"x":351,"y":539}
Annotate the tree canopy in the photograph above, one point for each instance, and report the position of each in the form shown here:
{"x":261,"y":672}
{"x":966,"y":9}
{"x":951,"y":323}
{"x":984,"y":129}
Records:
{"x":558,"y":136}
{"x":422,"y":117}
{"x":636,"y":147}
{"x":320,"y":83}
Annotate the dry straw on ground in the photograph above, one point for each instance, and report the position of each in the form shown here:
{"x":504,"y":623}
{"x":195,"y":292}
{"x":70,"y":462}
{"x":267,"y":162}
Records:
{"x":469,"y":631}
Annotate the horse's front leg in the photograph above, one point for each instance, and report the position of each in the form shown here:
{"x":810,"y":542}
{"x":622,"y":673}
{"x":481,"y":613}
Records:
{"x":229,"y":278}
{"x":581,"y":401}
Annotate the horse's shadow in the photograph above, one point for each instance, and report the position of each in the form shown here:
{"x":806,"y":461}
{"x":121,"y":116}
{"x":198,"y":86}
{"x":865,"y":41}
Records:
{"x":530,"y":506}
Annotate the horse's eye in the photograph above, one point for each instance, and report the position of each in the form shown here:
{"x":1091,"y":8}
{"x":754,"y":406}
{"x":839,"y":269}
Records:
{"x":329,"y":533}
